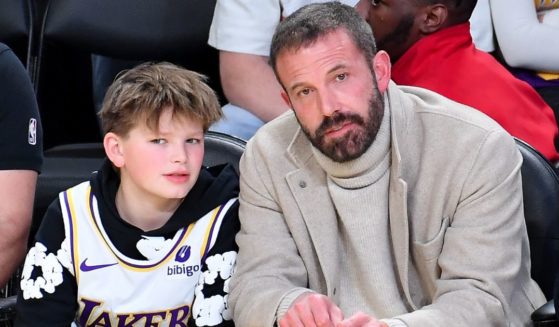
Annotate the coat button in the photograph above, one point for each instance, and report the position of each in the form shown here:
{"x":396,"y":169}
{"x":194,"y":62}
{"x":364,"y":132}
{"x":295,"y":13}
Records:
{"x":303,"y":184}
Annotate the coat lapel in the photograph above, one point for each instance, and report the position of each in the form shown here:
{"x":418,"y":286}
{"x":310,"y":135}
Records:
{"x":309,"y":187}
{"x":399,"y":230}
{"x":398,"y":201}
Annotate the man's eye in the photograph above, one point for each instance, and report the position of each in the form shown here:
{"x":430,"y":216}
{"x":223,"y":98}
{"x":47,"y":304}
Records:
{"x":304,"y":92}
{"x":341,"y":77}
{"x":375,"y":2}
{"x":158,"y":141}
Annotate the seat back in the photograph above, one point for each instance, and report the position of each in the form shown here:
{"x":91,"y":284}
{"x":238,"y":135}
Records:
{"x":540,"y":187}
{"x":16,"y":26}
{"x":132,"y":29}
{"x":223,"y":148}
{"x":139,"y":30}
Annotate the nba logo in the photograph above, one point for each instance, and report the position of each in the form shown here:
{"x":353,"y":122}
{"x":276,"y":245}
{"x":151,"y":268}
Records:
{"x":32,"y":133}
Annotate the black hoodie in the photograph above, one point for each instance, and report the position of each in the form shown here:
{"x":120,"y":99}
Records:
{"x":214,"y":187}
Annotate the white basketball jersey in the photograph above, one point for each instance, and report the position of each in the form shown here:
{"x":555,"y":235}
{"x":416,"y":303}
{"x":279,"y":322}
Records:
{"x":114,"y":290}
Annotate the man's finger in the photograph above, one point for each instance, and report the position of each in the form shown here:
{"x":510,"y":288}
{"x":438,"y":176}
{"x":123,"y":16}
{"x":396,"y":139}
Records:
{"x":290,"y":319}
{"x":326,"y":313}
{"x":321,"y":308}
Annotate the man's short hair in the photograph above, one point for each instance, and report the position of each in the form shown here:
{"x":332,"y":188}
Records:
{"x":306,"y":25}
{"x":140,"y":94}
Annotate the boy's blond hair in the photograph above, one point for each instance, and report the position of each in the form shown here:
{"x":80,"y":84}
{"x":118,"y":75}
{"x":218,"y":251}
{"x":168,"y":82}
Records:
{"x":141,"y":93}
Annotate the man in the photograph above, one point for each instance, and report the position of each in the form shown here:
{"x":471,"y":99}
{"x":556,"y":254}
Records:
{"x":22,"y":156}
{"x":431,"y":45}
{"x":375,"y":205}
{"x":242,"y":31}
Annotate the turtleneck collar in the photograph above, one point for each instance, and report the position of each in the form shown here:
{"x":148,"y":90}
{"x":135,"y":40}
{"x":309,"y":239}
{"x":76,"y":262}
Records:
{"x":375,"y":156}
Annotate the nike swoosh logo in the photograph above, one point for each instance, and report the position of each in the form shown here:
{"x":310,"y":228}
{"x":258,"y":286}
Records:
{"x":85,"y":267}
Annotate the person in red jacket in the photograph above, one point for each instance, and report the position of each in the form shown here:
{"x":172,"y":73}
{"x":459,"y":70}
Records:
{"x":430,"y":45}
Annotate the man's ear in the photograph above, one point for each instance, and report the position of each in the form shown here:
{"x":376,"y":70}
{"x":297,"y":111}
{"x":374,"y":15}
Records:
{"x":382,"y":67}
{"x":112,"y":145}
{"x":362,"y":7}
{"x":434,"y":18}
{"x":286,"y":99}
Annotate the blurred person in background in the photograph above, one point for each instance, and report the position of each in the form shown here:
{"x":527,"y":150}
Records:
{"x":21,"y":143}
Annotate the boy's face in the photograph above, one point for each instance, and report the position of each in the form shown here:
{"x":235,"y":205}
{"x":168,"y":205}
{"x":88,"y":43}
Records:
{"x":161,"y":166}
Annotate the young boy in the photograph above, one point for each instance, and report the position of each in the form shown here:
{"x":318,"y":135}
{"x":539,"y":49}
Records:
{"x":149,"y":239}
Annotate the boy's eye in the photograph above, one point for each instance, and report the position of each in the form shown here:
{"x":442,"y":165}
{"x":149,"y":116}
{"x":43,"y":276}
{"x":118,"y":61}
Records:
{"x":193,"y":141}
{"x":158,"y":141}
{"x":375,"y":2}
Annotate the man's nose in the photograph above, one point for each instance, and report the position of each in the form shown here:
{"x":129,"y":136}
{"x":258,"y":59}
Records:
{"x":328,"y":103}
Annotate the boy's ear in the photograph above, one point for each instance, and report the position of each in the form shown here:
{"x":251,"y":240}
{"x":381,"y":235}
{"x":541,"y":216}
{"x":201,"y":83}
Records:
{"x":112,"y":145}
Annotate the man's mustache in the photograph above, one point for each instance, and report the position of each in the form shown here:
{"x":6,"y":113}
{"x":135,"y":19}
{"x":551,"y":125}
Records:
{"x":338,"y":119}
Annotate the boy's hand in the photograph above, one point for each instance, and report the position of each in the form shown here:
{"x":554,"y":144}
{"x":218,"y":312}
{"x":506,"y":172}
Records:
{"x":310,"y":310}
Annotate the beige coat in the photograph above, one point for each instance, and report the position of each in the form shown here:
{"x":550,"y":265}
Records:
{"x":456,"y":219}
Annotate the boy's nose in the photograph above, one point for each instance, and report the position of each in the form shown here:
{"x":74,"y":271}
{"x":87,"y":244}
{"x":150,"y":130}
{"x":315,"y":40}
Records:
{"x":179,"y":154}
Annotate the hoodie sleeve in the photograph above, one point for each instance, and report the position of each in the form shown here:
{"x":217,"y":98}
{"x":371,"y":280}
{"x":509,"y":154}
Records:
{"x":48,"y":287}
{"x":210,"y":307}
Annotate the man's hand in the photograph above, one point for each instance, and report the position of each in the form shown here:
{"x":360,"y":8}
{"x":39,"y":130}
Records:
{"x":310,"y":310}
{"x":317,"y":310}
{"x":361,"y":320}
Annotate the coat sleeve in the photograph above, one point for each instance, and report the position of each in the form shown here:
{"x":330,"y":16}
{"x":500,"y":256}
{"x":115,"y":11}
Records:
{"x":210,"y":303}
{"x":48,"y":287}
{"x":270,"y":270}
{"x":482,"y":273}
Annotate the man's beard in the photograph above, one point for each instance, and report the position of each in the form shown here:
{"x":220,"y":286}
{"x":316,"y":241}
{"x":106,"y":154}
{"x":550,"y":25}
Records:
{"x":393,"y":41}
{"x":354,"y":142}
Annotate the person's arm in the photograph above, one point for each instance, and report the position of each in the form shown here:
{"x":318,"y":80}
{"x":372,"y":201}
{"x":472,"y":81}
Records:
{"x":523,"y":40}
{"x":210,"y":306}
{"x":21,"y":146}
{"x":17,"y":188}
{"x":242,"y":31}
{"x":249,"y":82}
{"x":48,"y":295}
{"x":481,"y":27}
{"x":270,"y":272}
{"x":483,"y":268}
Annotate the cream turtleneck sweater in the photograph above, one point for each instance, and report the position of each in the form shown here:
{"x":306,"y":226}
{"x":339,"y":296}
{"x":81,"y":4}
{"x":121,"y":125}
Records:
{"x":359,"y":190}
